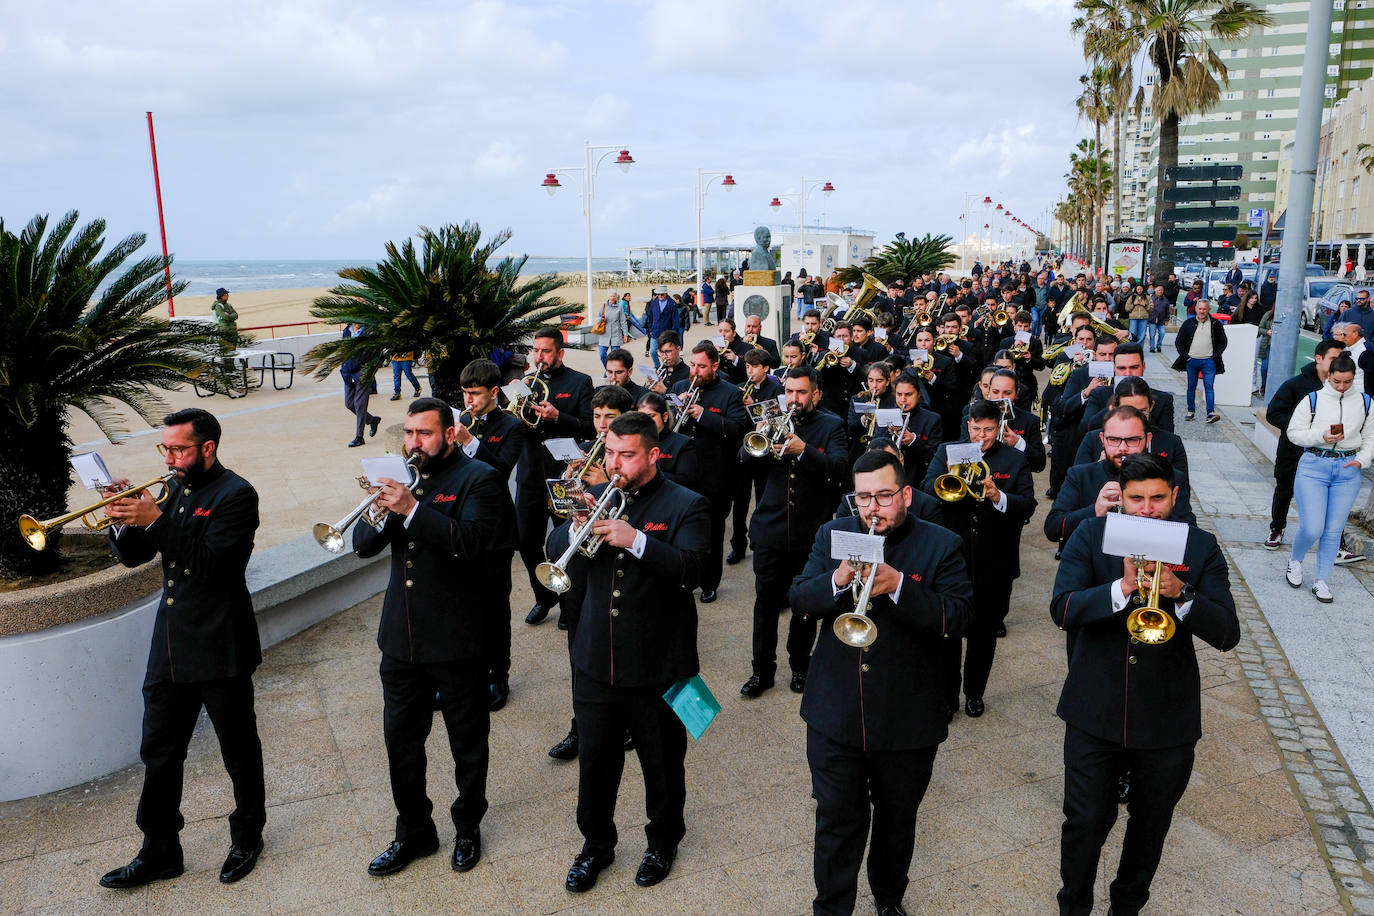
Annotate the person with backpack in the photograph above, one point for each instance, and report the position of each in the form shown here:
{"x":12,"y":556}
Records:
{"x":1333,"y":427}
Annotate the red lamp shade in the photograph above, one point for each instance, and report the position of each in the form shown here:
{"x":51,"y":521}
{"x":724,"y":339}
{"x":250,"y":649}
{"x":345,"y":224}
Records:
{"x":550,"y":183}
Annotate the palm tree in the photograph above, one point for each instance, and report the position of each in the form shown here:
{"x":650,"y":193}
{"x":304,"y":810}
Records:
{"x":1365,"y":151}
{"x":1095,"y":106}
{"x":451,"y":301}
{"x":1088,"y":182}
{"x":903,"y":259}
{"x":75,"y":336}
{"x":1176,"y":37}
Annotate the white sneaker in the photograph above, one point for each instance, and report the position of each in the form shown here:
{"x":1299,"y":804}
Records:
{"x":1294,"y":574}
{"x":1322,"y":591}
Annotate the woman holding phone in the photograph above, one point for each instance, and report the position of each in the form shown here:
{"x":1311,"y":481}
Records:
{"x":1334,"y":428}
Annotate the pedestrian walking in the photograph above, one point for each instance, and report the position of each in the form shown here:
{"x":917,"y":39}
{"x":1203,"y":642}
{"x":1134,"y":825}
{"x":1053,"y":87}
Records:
{"x":357,"y":390}
{"x":401,"y":364}
{"x":1280,"y":410}
{"x":612,"y":326}
{"x":1200,"y":342}
{"x":1161,"y":306}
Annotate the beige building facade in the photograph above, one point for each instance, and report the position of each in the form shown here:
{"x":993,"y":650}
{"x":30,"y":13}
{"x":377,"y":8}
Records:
{"x":1344,"y":204}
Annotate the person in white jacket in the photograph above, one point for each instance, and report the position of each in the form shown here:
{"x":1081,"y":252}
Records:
{"x":1335,"y":430}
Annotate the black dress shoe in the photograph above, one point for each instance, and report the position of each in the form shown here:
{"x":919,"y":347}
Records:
{"x":708,"y":595}
{"x":355,"y":443}
{"x":585,"y":868}
{"x":419,"y":393}
{"x":1002,"y":631}
{"x":973,"y":708}
{"x":629,"y":740}
{"x":239,"y":862}
{"x":654,"y":867}
{"x":565,"y":749}
{"x":141,"y":871}
{"x":398,"y":855}
{"x":536,"y":615}
{"x":562,"y":621}
{"x":467,"y":852}
{"x":734,"y":556}
{"x":798,"y":682}
{"x":396,"y":396}
{"x":500,"y":693}
{"x":1123,"y":788}
{"x":755,"y":686}
{"x":891,"y":909}
{"x":372,"y":425}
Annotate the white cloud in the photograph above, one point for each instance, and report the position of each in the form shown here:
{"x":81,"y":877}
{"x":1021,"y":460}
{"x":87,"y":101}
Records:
{"x":499,"y":160}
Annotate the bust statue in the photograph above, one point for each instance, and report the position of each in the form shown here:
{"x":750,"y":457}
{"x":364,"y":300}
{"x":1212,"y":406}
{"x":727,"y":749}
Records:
{"x":761,"y":258}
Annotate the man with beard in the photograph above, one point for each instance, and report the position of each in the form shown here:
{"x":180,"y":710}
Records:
{"x":874,"y":715}
{"x":1128,"y":360}
{"x":803,"y":475}
{"x":451,"y":544}
{"x":1136,"y":392}
{"x":991,"y":532}
{"x":566,"y":414}
{"x":204,"y":645}
{"x":716,"y":423}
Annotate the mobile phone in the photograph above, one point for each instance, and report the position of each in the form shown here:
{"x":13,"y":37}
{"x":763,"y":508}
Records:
{"x":1338,"y":429}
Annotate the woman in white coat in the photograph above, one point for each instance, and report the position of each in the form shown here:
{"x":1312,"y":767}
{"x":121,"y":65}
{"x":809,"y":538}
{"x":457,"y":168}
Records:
{"x":616,"y":315}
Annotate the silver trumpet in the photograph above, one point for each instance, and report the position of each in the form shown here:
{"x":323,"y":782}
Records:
{"x":765,"y":441}
{"x":688,"y":402}
{"x":856,"y":628}
{"x":331,"y":537}
{"x":611,"y":506}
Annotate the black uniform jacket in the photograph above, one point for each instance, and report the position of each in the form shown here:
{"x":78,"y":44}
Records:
{"x":1162,"y":443}
{"x":1161,"y":413}
{"x":723,"y":423}
{"x":571,"y":392}
{"x":438,"y":602}
{"x":679,"y":373}
{"x":638,"y":625}
{"x":1142,"y":696}
{"x":205,"y":628}
{"x":798,"y":491}
{"x":855,"y":421}
{"x":1077,"y":500}
{"x":500,"y":441}
{"x":927,"y":430}
{"x":886,"y":697}
{"x":677,"y":459}
{"x":1070,"y":407}
{"x":733,"y":370}
{"x":992,"y":539}
{"x":1026,"y":425}
{"x":770,"y":346}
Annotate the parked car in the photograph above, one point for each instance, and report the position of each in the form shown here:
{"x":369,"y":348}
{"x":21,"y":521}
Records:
{"x":1314,"y":288}
{"x":1313,"y":270}
{"x":1216,"y":276}
{"x":1341,"y":291}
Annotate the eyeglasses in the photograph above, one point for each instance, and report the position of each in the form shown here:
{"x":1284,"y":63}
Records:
{"x":176,"y":451}
{"x":1118,"y":441}
{"x":1361,"y":298}
{"x":883,"y":498}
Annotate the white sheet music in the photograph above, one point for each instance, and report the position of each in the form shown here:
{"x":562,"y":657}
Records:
{"x":963,"y":452}
{"x":91,"y":470}
{"x":890,"y":416}
{"x":1101,"y":369}
{"x":516,"y":389}
{"x":563,"y":449}
{"x":845,"y":545}
{"x":392,"y":466}
{"x":1151,"y":538}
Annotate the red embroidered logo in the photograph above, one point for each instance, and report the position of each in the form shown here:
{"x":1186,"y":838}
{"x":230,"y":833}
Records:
{"x":915,"y":577}
{"x":563,"y":394}
{"x":495,"y":439}
{"x":201,"y":513}
{"x":655,"y":526}
{"x":714,"y":409}
{"x":664,"y":456}
{"x":445,"y":497}
{"x":998,"y":475}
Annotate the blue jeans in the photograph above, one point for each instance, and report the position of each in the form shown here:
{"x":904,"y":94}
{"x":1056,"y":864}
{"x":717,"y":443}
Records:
{"x":1036,"y":314}
{"x":1325,"y":490}
{"x":1156,"y":334}
{"x":1208,"y":368}
{"x":1138,"y":326}
{"x":397,"y":367}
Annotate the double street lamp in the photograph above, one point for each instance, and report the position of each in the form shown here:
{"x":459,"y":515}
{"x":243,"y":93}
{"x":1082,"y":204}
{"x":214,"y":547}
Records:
{"x":586,"y":186}
{"x":704,"y":182}
{"x":807,"y":186}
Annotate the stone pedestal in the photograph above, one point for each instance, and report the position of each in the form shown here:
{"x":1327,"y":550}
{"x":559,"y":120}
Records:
{"x":772,"y":303}
{"x":761,"y":278}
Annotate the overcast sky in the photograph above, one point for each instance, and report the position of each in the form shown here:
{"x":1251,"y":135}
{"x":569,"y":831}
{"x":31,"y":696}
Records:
{"x":322,"y":128}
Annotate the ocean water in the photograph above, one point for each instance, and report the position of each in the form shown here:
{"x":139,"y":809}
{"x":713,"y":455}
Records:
{"x":205,"y":277}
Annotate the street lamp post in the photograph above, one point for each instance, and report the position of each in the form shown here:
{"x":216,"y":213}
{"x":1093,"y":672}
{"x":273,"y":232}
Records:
{"x":776,"y":203}
{"x":586,"y":187}
{"x":704,"y":180}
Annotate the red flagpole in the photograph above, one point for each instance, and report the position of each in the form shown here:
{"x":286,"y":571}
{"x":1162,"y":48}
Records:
{"x":161,"y":223}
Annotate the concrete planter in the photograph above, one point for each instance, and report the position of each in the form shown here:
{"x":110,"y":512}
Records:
{"x":74,"y":600}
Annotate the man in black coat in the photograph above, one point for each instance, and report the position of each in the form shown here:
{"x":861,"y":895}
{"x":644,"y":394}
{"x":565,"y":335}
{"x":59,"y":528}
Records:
{"x":677,"y":454}
{"x":620,"y":371}
{"x":991,"y":531}
{"x":1280,"y":410}
{"x":1071,"y":406}
{"x":672,"y":367}
{"x":636,"y":637}
{"x":875,"y":716}
{"x":204,"y":646}
{"x":803,"y":475}
{"x":566,"y":414}
{"x":717,"y":423}
{"x":1128,"y":359}
{"x":1200,"y":342}
{"x":732,"y":352}
{"x":451,"y":540}
{"x":1020,"y":429}
{"x":753,"y":336}
{"x":760,"y":385}
{"x":1143,"y":716}
{"x":843,"y":378}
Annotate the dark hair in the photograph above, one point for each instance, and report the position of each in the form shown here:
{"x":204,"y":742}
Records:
{"x":622,"y":356}
{"x":553,"y":334}
{"x":1145,"y":466}
{"x":670,"y":337}
{"x":1129,"y":387}
{"x":1326,"y":346}
{"x":613,"y":396}
{"x":1007,"y":373}
{"x":862,"y":323}
{"x":907,"y":377}
{"x":811,"y":313}
{"x":638,"y":424}
{"x":758,"y":357}
{"x":204,"y":426}
{"x":1127,"y":349}
{"x":983,"y":409}
{"x":1127,"y":412}
{"x":480,"y":373}
{"x":729,"y":321}
{"x":709,"y":349}
{"x":794,"y":343}
{"x":875,"y":459}
{"x":1002,"y":354}
{"x":424,"y":405}
{"x":1023,"y":317}
{"x":1342,"y":363}
{"x":1104,"y":341}
{"x":654,"y":401}
{"x":807,"y":372}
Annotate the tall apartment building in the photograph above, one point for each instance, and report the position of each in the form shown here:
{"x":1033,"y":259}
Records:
{"x":1254,"y":112}
{"x":1343,"y":207}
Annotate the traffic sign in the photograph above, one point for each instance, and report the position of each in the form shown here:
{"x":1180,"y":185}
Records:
{"x":1204,"y":172}
{"x":1257,"y":218}
{"x":1213,"y":192}
{"x":1199,"y":214}
{"x":1201,"y":253}
{"x":1198,"y":234}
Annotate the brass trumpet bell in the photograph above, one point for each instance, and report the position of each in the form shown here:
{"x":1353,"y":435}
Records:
{"x":35,"y":531}
{"x":1149,"y":623}
{"x":1001,"y":317}
{"x":961,"y":481}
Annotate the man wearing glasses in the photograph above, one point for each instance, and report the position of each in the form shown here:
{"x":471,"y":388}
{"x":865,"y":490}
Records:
{"x":873,"y":715}
{"x":669,"y":355}
{"x":204,"y":645}
{"x":1363,"y":314}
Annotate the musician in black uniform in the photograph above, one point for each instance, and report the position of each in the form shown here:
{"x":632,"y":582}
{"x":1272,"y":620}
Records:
{"x":793,"y":357}
{"x":1061,"y":459}
{"x":923,"y":433}
{"x":753,"y":335}
{"x":867,"y":348}
{"x":566,"y":414}
{"x":498,"y":439}
{"x":803,"y":476}
{"x":843,"y":379}
{"x":878,"y":392}
{"x":991,"y":532}
{"x":672,"y":367}
{"x":1131,"y":705}
{"x":1022,"y":429}
{"x":733,"y":353}
{"x":813,"y":340}
{"x":759,"y":386}
{"x":451,"y":541}
{"x":1137,"y":393}
{"x":677,"y":454}
{"x":204,"y":645}
{"x":620,"y":371}
{"x":718,"y":421}
{"x":875,"y":716}
{"x":635,"y":638}
{"x":1071,"y":404}
{"x":1128,"y":359}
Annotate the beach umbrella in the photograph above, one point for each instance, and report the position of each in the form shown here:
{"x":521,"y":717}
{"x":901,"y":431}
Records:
{"x":1345,"y":256}
{"x":1359,"y":263}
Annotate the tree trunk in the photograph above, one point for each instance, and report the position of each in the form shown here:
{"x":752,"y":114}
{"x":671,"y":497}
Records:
{"x":1168,"y":158}
{"x":1099,"y":199}
{"x":1116,"y":175}
{"x":37,"y":463}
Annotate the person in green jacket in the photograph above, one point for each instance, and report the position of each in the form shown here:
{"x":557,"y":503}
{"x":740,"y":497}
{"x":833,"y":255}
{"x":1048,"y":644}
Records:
{"x":225,"y":314}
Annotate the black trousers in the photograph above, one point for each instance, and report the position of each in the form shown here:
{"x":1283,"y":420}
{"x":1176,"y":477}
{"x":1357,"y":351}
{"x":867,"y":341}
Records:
{"x":1060,"y":461}
{"x":408,"y":690}
{"x":1285,"y":469}
{"x":170,"y":711}
{"x":1158,"y":779}
{"x":774,"y":571}
{"x":532,"y":519}
{"x":499,"y":591}
{"x":749,"y":484}
{"x":845,"y":782}
{"x":991,"y":601}
{"x":356,"y":398}
{"x":604,"y":714}
{"x":715,"y":560}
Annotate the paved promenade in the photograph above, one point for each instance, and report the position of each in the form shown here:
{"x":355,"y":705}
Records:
{"x":1274,"y":820}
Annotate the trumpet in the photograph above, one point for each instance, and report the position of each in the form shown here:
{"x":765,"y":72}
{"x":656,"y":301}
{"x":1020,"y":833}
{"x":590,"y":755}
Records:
{"x":693,"y":395}
{"x":961,"y":480}
{"x":944,"y":340}
{"x":331,"y":537}
{"x":611,"y":506}
{"x":747,"y":391}
{"x":1148,"y":623}
{"x":751,"y":339}
{"x":856,"y":628}
{"x":901,"y":431}
{"x":831,"y":358}
{"x":765,"y":441}
{"x":1019,"y":350}
{"x":35,"y":532}
{"x":521,"y":407}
